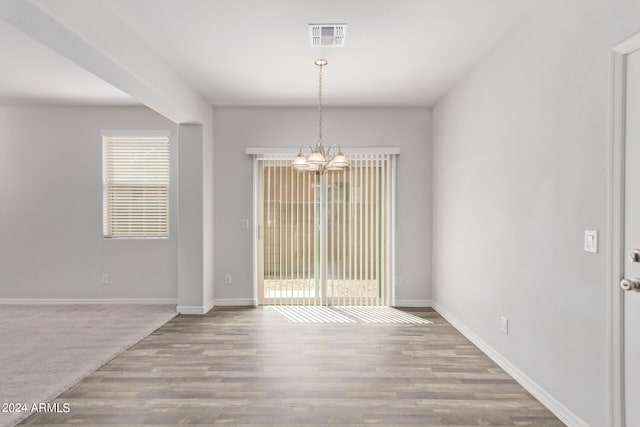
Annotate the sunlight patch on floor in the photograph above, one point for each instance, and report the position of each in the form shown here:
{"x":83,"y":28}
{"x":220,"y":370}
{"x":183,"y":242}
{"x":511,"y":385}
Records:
{"x":380,"y":315}
{"x":312,"y":314}
{"x":346,"y":314}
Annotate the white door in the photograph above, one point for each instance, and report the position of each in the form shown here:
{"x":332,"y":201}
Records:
{"x":632,"y":242}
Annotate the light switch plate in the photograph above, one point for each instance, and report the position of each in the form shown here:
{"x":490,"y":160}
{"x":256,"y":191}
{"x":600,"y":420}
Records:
{"x":591,"y":241}
{"x":504,"y":325}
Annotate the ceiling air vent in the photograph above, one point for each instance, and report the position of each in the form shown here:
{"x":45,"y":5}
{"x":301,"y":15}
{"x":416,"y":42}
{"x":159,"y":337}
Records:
{"x":327,"y":35}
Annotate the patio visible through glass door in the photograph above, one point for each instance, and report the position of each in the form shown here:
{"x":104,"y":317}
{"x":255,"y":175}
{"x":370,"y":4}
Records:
{"x":325,"y":239}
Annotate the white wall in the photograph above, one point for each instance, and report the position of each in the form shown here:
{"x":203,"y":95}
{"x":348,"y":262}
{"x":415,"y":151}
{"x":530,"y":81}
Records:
{"x":190,"y":219}
{"x":208,"y":210}
{"x":520,"y":171}
{"x":238,"y":128}
{"x":51,"y":243}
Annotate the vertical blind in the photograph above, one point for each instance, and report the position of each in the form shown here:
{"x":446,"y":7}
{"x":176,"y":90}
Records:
{"x":135,"y":185}
{"x":290,"y":242}
{"x":326,"y":240}
{"x":357,"y":232}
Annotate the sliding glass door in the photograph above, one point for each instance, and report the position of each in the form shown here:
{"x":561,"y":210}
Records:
{"x":325,"y":239}
{"x":289,"y":224}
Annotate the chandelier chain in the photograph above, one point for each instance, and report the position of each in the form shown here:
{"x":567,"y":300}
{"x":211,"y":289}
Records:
{"x":320,"y":100}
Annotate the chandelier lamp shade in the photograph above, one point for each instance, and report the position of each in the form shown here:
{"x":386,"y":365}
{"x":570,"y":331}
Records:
{"x":319,"y":158}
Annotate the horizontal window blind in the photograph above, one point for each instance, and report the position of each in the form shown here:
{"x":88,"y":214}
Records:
{"x":135,"y":186}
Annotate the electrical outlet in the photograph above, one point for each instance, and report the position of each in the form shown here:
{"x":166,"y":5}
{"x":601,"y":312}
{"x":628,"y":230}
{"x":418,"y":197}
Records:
{"x":227,"y":279}
{"x":105,"y":279}
{"x":504,"y":325}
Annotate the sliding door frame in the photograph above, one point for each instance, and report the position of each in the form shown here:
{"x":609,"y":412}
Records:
{"x":259,"y":154}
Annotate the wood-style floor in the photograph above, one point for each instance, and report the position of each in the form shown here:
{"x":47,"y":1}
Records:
{"x":251,"y":366}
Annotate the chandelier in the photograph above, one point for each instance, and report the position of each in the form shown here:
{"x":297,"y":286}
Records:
{"x":320,"y":159}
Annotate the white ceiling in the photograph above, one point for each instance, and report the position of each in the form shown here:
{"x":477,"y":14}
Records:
{"x":31,"y":73}
{"x":256,"y":52}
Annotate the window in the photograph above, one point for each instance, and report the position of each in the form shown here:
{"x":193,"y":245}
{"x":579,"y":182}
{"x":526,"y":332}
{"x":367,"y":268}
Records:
{"x":135,"y":171}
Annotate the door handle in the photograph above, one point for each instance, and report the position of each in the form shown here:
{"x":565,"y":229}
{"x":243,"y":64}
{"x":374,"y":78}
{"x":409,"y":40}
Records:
{"x":630,"y":284}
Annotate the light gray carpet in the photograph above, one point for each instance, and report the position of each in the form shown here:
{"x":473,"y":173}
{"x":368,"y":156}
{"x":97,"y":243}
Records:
{"x":46,"y":349}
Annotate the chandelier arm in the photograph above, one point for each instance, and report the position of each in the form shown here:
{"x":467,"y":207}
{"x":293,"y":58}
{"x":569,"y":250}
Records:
{"x":334,"y":147}
{"x":337,"y":150}
{"x":305,"y":146}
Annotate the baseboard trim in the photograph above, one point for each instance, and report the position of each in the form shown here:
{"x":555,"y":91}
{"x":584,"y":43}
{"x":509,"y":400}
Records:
{"x":235,"y":302}
{"x":209,"y":306}
{"x":52,"y":301}
{"x":231,"y":302}
{"x":413,"y":303}
{"x":191,"y":309}
{"x":558,"y":409}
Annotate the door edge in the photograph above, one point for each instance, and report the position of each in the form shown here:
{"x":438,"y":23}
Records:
{"x":615,"y":227}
